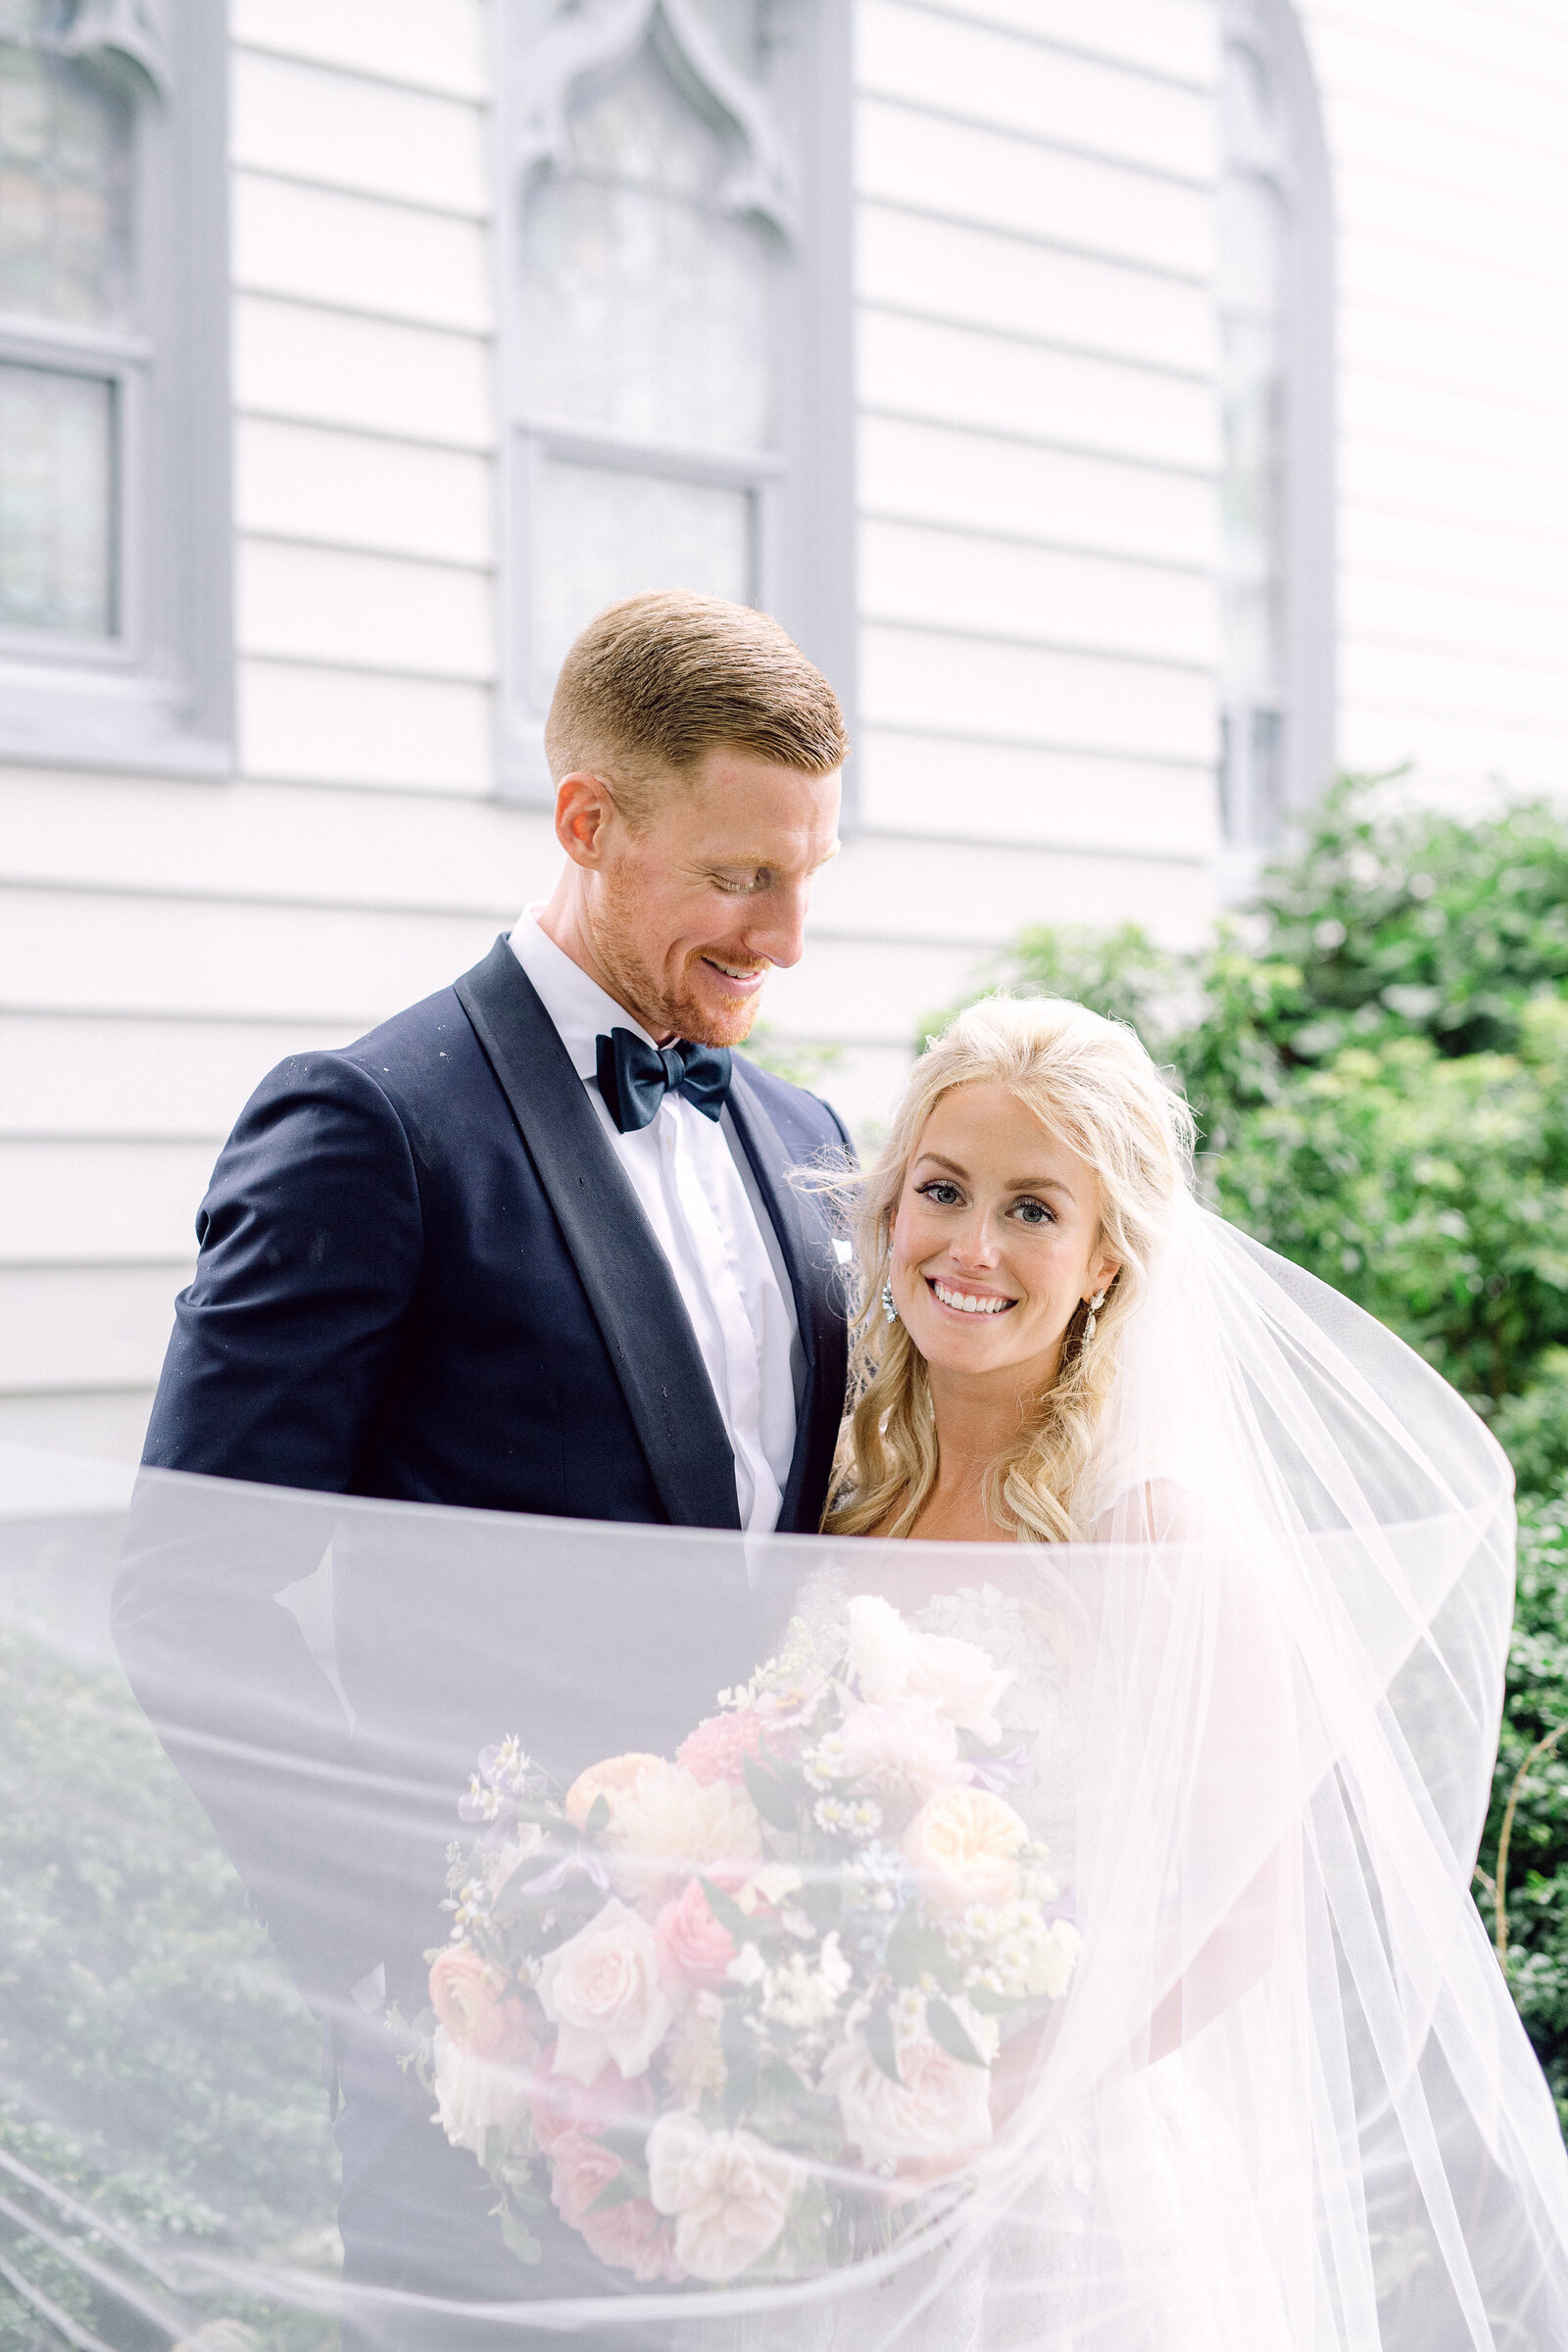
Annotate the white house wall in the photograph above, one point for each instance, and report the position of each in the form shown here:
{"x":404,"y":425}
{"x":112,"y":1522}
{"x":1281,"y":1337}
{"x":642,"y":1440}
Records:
{"x":1445,"y":123}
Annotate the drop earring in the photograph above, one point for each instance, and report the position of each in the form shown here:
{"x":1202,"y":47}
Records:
{"x":888,"y":1308}
{"x":1095,"y":1305}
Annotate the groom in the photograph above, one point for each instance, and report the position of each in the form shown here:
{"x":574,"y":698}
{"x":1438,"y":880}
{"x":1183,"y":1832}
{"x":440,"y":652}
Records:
{"x":528,"y":1247}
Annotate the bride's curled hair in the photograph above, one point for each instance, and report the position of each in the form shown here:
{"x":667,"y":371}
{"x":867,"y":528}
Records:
{"x":1090,"y":1083}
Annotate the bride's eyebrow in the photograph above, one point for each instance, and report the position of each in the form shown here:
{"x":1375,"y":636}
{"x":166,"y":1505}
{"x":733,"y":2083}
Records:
{"x":1039,"y":1184}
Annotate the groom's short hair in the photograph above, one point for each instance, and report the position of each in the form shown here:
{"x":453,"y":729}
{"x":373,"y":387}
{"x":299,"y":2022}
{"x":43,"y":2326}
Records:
{"x":654,"y":683}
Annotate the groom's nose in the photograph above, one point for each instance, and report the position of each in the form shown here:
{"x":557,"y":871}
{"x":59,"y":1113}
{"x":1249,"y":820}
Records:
{"x":776,"y":928}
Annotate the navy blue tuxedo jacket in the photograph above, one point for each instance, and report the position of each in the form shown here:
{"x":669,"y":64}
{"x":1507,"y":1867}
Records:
{"x":423,"y":1275}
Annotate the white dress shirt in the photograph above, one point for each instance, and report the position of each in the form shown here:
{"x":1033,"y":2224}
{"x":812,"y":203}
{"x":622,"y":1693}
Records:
{"x":698,"y":1192}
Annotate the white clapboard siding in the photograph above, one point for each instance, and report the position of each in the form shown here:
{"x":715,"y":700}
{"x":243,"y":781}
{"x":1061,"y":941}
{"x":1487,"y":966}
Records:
{"x":428,"y":45}
{"x":1054,"y":92}
{"x":1052,"y":498}
{"x":292,"y":117}
{"x":1445,"y":127}
{"x":988,"y":276}
{"x":959,"y":789}
{"x":76,"y":950}
{"x":1174,"y":38}
{"x":1023,"y":693}
{"x":907,"y":155}
{"x":182,"y":1078}
{"x":112,"y":1199}
{"x":338,"y":726}
{"x":948,"y":579}
{"x":359,"y":253}
{"x":74,"y":1327}
{"x":969,"y":897}
{"x":314,"y":604}
{"x":349,"y":489}
{"x":417,"y":384}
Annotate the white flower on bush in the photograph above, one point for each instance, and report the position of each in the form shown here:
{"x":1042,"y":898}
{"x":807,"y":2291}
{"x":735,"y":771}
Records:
{"x":601,"y":1990}
{"x":890,"y":1662}
{"x":669,"y":1827}
{"x":938,"y":2110}
{"x":476,"y":2095}
{"x":728,"y":2193}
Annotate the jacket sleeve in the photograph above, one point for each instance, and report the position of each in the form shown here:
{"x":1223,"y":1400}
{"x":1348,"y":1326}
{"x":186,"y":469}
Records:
{"x":310,"y":1253}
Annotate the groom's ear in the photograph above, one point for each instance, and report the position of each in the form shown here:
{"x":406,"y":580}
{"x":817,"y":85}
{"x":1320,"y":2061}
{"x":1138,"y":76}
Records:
{"x":585,"y":810}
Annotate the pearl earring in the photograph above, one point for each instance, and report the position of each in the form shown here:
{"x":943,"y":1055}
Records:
{"x":1095,"y":1305}
{"x":888,"y":1308}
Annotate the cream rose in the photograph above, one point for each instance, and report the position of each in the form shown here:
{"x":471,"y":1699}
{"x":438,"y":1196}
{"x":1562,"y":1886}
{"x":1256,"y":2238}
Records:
{"x":963,"y":1847}
{"x":890,"y":1662}
{"x":603,"y":1992}
{"x":669,"y":1825}
{"x":939,"y":2109}
{"x":729,"y":2193}
{"x":611,"y":1780}
{"x":901,"y":1748}
{"x":476,"y":2095}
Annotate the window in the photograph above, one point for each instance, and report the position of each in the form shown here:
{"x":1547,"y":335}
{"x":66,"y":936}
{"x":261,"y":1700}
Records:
{"x":1275,"y":305}
{"x":112,"y":621}
{"x":666,"y":278}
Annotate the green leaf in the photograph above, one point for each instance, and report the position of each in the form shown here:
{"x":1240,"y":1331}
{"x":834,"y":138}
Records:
{"x":878,"y":2029}
{"x":624,"y":2190}
{"x":916,"y":1950}
{"x":993,"y":2004}
{"x":520,"y":2238}
{"x":947,"y":2032}
{"x":626,"y":2141}
{"x":774,"y":1800}
{"x":727,"y":1912}
{"x":598,"y":1820}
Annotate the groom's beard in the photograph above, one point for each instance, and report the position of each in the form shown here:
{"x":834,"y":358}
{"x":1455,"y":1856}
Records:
{"x":684,"y":1011}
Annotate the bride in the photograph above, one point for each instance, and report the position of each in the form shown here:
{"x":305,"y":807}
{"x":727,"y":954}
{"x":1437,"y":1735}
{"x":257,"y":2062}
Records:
{"x":1253,"y":1604}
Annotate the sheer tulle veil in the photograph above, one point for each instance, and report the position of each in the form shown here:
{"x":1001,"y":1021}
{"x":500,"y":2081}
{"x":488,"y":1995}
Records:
{"x":1285,"y":2100}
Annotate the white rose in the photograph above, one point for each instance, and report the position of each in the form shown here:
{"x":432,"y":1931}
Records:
{"x":903,"y":1747}
{"x":602,"y":1991}
{"x":940,"y":2108}
{"x":890,"y":1662}
{"x":476,"y":2095}
{"x":1056,"y":1958}
{"x":669,"y":1827}
{"x":729,"y":2193}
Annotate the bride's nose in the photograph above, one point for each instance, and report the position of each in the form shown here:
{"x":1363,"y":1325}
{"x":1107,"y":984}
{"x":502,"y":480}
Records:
{"x":975,"y":1246}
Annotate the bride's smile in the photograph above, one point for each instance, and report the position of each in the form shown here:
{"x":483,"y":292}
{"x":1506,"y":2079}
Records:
{"x":996,"y":1242}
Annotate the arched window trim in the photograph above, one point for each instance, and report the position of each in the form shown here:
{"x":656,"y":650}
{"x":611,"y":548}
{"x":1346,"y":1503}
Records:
{"x":796,"y":185}
{"x":1307,"y":526}
{"x":158,"y":693}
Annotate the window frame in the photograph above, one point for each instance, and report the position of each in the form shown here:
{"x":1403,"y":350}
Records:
{"x":803,"y":520}
{"x":1306,"y":551}
{"x":156,"y":694}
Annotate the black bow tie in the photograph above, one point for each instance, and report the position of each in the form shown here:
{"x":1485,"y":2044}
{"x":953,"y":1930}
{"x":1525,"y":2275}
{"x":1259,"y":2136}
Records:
{"x":634,"y":1077}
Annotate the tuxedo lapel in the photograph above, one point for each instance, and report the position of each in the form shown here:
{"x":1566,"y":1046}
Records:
{"x":814,"y":1278}
{"x":623,"y":1269}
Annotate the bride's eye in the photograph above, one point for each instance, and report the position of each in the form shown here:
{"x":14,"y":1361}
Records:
{"x":1033,"y":1212}
{"x":939,"y":1193}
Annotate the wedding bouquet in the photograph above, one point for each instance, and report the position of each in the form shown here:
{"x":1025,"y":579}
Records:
{"x":726,"y":2013}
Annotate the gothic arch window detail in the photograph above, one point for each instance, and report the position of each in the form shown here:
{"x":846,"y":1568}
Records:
{"x":657,"y":282}
{"x":1275,"y":320}
{"x":113,"y":523}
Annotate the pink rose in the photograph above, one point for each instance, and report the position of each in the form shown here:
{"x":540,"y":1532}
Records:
{"x":561,"y":2107}
{"x":729,"y":2193}
{"x":939,"y":2110}
{"x":631,"y":2236}
{"x":466,"y":1996}
{"x":719,"y":1747}
{"x":902,"y":1749}
{"x":603,"y":1992}
{"x":694,"y":1947}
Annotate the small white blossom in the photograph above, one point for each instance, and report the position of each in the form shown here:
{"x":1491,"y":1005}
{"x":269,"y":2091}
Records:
{"x":748,"y":1967}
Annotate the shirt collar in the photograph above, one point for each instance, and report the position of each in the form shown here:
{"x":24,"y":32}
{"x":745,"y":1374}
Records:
{"x":578,"y":1007}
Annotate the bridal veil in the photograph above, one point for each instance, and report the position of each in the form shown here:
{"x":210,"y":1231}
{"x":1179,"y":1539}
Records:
{"x":1282,"y":2101}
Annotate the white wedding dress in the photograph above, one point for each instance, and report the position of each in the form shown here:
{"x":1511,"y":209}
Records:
{"x":1205,"y":2280}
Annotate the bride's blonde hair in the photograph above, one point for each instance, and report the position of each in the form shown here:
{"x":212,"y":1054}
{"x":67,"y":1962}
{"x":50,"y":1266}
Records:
{"x":1091,"y":1084}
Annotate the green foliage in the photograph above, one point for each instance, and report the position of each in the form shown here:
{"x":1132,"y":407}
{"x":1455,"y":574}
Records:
{"x":158,"y":2063}
{"x":1536,"y":1896}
